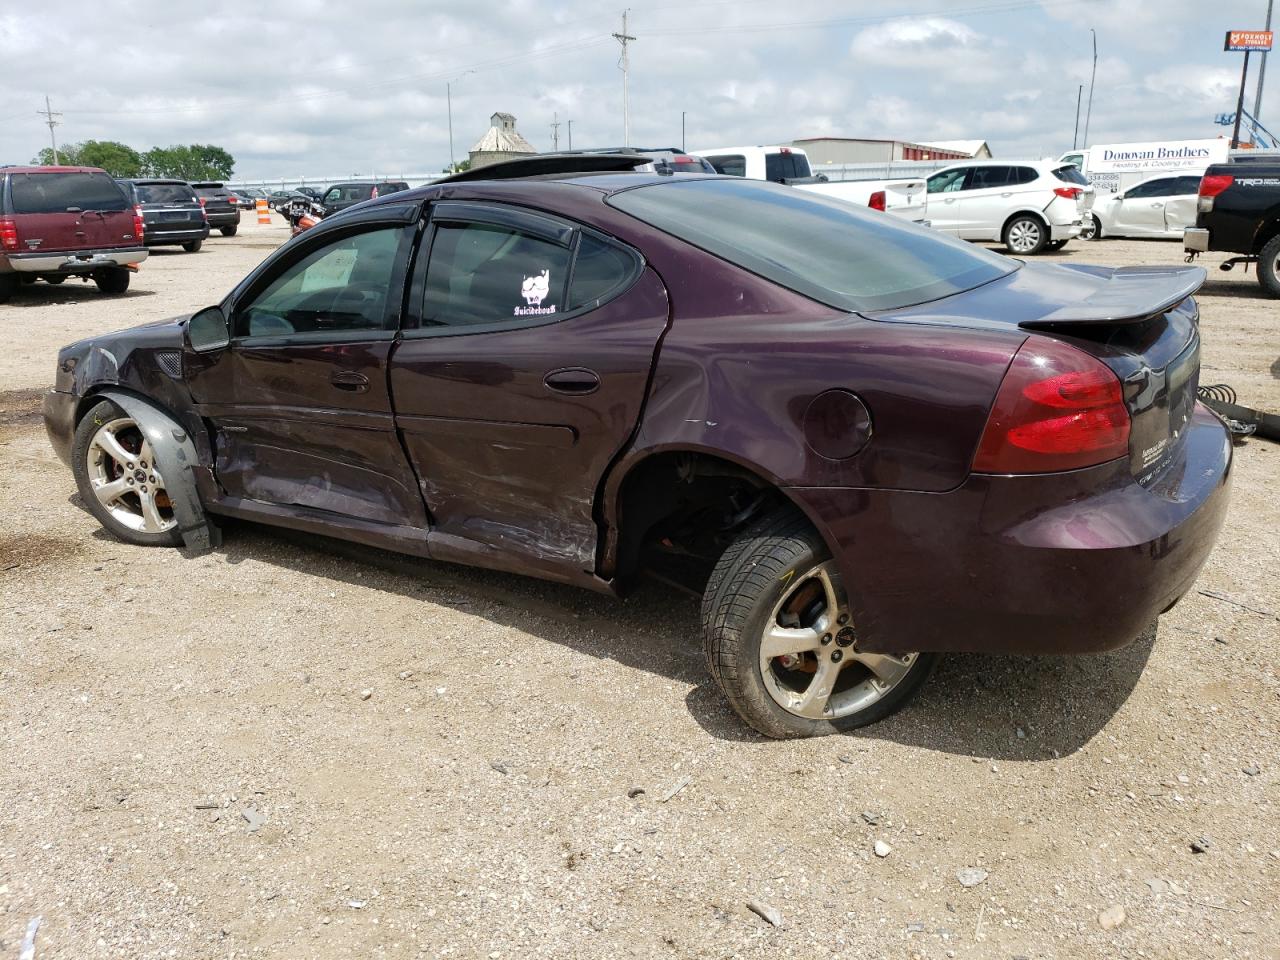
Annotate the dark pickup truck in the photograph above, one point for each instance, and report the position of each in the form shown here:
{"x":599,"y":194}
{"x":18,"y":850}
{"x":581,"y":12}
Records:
{"x":1238,"y":211}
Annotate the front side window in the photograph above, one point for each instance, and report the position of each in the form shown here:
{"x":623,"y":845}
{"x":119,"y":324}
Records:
{"x":60,"y":192}
{"x":948,"y":181}
{"x":1186,"y":185}
{"x":483,"y":274}
{"x":729,"y":164}
{"x":1152,"y":188}
{"x":343,"y":286}
{"x":828,"y":250}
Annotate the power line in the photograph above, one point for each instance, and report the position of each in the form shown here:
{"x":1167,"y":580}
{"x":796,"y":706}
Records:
{"x":624,"y":63}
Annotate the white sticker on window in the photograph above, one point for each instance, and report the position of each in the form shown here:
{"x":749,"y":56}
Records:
{"x":535,"y":289}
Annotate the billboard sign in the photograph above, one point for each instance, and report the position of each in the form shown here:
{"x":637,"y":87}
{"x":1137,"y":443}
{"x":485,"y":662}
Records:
{"x":1248,"y":40}
{"x":1156,"y":157}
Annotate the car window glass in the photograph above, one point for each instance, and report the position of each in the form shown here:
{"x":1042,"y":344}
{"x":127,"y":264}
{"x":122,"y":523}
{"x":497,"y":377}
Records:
{"x":1152,"y":188}
{"x":1071,"y":174}
{"x":165,"y":193}
{"x":865,"y":260}
{"x":56,"y":192}
{"x":949,"y":181}
{"x":800,"y":165}
{"x":344,"y":285}
{"x":1022,"y":175}
{"x":729,"y":164}
{"x":333,"y":196}
{"x":986,"y":178}
{"x":774,"y":169}
{"x":599,"y":270}
{"x":1187,"y":185}
{"x":483,"y":274}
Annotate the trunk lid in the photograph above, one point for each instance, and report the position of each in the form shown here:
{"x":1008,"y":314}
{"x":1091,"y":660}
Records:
{"x":1139,"y":321}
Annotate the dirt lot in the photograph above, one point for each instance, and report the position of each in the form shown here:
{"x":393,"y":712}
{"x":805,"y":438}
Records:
{"x":191,"y":769}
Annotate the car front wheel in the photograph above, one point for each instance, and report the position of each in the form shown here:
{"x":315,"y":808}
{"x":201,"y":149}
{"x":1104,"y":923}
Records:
{"x":781,"y":643}
{"x":1025,"y":235}
{"x":118,"y":481}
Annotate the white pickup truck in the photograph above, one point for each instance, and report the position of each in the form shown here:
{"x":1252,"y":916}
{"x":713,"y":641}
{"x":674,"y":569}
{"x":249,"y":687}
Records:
{"x":790,"y":165}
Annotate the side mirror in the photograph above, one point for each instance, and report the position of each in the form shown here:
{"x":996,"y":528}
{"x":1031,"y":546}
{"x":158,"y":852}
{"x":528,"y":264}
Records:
{"x":207,"y":330}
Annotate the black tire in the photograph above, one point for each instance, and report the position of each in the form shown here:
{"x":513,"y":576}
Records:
{"x":100,"y":415}
{"x":1025,"y":235}
{"x":1054,"y":245}
{"x":9,"y":284}
{"x":112,"y":281}
{"x":752,"y":577}
{"x":1269,"y":266}
{"x":191,"y":246}
{"x":1092,"y":229}
{"x":55,"y":280}
{"x":229,"y":231}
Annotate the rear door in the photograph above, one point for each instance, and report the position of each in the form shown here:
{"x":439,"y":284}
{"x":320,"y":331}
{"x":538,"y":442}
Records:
{"x":1180,"y":208}
{"x":71,"y":211}
{"x":299,"y":402}
{"x":521,"y":374}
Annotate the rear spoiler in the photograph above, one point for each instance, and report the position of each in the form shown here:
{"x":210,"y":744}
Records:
{"x":1130,"y":295}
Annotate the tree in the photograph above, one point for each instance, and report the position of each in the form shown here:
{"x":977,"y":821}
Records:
{"x":458,"y":167}
{"x":189,"y":162}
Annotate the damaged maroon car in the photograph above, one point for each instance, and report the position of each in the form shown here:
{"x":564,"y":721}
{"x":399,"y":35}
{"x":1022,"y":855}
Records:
{"x":863,"y":443}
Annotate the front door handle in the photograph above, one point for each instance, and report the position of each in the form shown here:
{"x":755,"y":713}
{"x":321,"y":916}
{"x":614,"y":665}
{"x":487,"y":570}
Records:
{"x":575,"y":380}
{"x":350,"y":380}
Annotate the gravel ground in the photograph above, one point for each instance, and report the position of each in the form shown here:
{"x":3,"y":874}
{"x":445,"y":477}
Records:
{"x":296,"y":748}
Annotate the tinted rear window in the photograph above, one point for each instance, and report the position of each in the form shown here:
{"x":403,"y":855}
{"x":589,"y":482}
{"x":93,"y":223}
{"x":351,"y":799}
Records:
{"x":1071,"y":174}
{"x":833,"y":252}
{"x":213,"y":191}
{"x":165,"y":193}
{"x":785,"y":166}
{"x":729,"y":164}
{"x":57,"y":192}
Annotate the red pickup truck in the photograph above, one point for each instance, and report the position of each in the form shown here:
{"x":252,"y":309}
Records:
{"x":59,"y":222}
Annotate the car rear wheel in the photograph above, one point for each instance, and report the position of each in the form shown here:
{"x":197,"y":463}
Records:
{"x":781,"y":644}
{"x":1091,"y":229}
{"x":8,"y":286}
{"x":118,"y":481}
{"x":55,"y":280}
{"x":1025,"y":235}
{"x":229,"y":231}
{"x":112,"y":280}
{"x":191,"y":246}
{"x":1269,"y":266}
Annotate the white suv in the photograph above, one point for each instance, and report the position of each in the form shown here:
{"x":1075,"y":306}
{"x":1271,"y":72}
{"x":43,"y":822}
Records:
{"x":1028,"y":205}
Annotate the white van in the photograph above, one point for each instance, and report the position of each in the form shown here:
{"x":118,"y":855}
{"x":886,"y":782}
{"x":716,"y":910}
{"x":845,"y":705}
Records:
{"x":1117,"y":166}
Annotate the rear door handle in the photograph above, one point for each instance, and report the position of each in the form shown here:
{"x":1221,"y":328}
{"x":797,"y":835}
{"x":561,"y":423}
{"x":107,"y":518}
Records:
{"x":575,"y":380}
{"x":350,"y":380}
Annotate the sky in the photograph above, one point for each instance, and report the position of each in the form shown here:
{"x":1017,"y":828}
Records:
{"x":303,"y":88}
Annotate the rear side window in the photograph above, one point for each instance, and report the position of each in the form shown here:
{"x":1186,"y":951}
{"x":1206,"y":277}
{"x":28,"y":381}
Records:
{"x":1187,"y":185}
{"x":985,"y":178}
{"x":59,"y":192}
{"x":1021,"y":175}
{"x":828,"y":250}
{"x":1071,"y":174}
{"x":165,"y":193}
{"x":599,"y":271}
{"x":729,"y":164}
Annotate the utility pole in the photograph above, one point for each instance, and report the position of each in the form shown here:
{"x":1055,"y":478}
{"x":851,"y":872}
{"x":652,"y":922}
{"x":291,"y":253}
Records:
{"x":49,"y":115}
{"x":1089,"y":110}
{"x":448,"y":96}
{"x":555,"y":132}
{"x":569,"y":123}
{"x":1262,"y":72}
{"x":1244,"y":76}
{"x":1076,"y":135}
{"x":625,"y":64}
{"x":682,"y":146}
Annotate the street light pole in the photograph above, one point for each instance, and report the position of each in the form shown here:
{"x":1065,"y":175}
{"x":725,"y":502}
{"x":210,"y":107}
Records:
{"x":448,"y":96}
{"x":1089,"y":110}
{"x":1262,"y":72}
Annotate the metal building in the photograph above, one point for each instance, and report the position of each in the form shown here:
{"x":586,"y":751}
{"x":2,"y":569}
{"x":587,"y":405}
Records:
{"x":838,"y":150}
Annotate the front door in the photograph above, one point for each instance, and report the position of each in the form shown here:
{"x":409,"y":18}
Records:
{"x":942,"y":201}
{"x":522,"y":372}
{"x":298,"y":402}
{"x":1140,"y":210}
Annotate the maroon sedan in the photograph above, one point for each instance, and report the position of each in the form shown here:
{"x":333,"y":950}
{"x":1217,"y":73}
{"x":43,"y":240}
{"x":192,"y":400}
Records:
{"x":862,"y":442}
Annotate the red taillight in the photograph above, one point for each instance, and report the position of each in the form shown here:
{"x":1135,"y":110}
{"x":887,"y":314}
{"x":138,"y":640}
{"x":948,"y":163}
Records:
{"x":233,"y":199}
{"x":877,"y":200}
{"x":1068,"y":193}
{"x":1213,"y":184}
{"x":8,"y":234}
{"x":1057,"y":409}
{"x":139,"y":227}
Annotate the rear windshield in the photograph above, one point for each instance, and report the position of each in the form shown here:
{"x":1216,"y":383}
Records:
{"x":1071,"y":174}
{"x":165,"y":193}
{"x":785,"y":166}
{"x":212,"y":191}
{"x":730,"y":164}
{"x":834,"y":252}
{"x":58,"y":192}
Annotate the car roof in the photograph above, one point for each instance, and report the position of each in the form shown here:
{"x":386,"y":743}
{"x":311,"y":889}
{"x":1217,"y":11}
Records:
{"x":146,"y":180}
{"x":50,"y":169}
{"x":1042,"y":164}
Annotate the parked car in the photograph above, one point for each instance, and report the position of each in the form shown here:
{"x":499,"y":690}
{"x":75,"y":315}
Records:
{"x":777,"y":163}
{"x":1161,"y":207}
{"x":903,"y":197}
{"x":221,"y":205}
{"x":1028,"y":205}
{"x":172,"y":214}
{"x":248,"y":197}
{"x":59,"y":222}
{"x":1239,"y":212}
{"x":342,"y":195}
{"x":584,"y":378}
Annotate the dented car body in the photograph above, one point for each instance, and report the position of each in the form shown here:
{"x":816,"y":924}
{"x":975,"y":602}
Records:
{"x":581,"y":378}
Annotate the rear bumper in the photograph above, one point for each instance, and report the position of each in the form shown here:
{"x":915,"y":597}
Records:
{"x":76,"y":261}
{"x":1065,"y":231}
{"x":59,"y":411}
{"x":184,"y":234}
{"x":223,"y":218}
{"x":1072,"y":562}
{"x":1195,"y":239}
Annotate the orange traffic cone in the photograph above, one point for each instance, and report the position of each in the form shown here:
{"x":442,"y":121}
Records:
{"x":264,"y":215}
